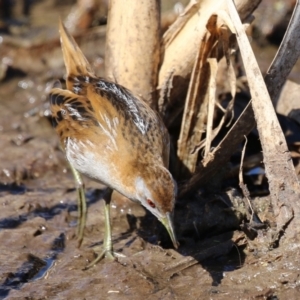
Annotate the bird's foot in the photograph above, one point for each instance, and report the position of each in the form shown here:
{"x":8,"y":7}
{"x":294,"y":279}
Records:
{"x":105,"y":253}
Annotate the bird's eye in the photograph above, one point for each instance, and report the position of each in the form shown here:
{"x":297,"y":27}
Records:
{"x":151,"y":203}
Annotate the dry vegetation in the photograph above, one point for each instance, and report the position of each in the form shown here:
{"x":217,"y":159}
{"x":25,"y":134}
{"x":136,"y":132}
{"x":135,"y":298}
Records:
{"x":196,"y":47}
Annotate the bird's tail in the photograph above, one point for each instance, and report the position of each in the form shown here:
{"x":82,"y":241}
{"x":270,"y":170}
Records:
{"x":75,"y":61}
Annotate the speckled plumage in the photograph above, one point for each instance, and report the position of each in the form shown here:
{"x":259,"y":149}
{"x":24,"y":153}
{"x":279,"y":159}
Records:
{"x":111,"y":135}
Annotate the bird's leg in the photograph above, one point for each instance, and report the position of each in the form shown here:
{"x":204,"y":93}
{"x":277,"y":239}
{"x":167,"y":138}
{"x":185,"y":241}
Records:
{"x":107,"y":250}
{"x":81,"y":204}
{"x":107,"y":243}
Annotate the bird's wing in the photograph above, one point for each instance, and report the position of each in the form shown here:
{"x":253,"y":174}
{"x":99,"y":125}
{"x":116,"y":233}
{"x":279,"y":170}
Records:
{"x":70,"y":112}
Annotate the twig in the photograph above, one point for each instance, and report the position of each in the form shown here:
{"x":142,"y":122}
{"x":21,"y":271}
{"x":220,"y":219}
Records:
{"x":211,"y":103}
{"x":286,"y":56}
{"x":241,"y":180}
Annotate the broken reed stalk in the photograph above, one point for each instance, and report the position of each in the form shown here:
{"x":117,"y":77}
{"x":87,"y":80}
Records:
{"x":201,"y":97}
{"x":213,"y":66}
{"x":283,"y":182}
{"x":195,"y":110}
{"x":181,"y":43}
{"x":133,"y":46}
{"x":197,"y":28}
{"x":208,"y":168}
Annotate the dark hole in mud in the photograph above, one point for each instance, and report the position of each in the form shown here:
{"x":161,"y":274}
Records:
{"x":13,"y":188}
{"x":44,"y":212}
{"x":13,"y":73}
{"x":23,"y":275}
{"x":33,"y":269}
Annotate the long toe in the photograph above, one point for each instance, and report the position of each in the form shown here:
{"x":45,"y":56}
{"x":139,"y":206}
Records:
{"x":109,"y":254}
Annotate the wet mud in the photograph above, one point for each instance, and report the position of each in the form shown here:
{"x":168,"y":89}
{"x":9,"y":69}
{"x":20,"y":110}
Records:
{"x":38,"y":218}
{"x":223,"y":253}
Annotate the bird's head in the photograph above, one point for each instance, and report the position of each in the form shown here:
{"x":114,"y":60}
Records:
{"x":156,"y":190}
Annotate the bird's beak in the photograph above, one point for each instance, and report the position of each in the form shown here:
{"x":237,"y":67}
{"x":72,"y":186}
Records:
{"x":168,"y":223}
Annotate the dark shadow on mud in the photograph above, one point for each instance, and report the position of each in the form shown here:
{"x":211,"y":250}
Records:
{"x":205,"y":224}
{"x":13,"y":188}
{"x":47,"y":213}
{"x":32,"y":269}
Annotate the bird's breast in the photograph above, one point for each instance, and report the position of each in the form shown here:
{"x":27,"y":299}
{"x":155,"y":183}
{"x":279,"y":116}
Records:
{"x":103,"y":164}
{"x":94,"y":161}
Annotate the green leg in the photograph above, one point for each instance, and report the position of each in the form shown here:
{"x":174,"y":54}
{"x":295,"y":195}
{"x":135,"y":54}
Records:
{"x":81,"y":204}
{"x":107,"y":250}
{"x":108,"y":246}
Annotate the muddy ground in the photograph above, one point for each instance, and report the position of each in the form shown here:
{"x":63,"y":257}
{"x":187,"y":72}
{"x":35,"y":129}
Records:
{"x":38,"y":248}
{"x":39,"y":254}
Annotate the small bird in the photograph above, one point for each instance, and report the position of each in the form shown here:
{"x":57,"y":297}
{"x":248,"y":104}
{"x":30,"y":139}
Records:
{"x":113,"y":137}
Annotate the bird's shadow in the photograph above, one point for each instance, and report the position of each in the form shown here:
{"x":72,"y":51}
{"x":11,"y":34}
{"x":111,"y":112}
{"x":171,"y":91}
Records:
{"x":205,"y":226}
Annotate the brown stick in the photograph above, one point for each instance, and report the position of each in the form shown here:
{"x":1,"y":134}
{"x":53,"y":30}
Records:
{"x":283,"y":181}
{"x":133,"y":47}
{"x":290,"y":45}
